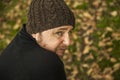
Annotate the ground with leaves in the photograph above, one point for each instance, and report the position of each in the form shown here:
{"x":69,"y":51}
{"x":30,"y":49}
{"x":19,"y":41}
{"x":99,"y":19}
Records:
{"x":95,"y":50}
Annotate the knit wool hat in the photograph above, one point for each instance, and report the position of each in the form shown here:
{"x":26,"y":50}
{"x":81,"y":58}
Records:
{"x":48,"y":14}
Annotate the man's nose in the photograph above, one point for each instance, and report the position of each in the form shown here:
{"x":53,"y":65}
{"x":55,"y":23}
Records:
{"x":66,"y":40}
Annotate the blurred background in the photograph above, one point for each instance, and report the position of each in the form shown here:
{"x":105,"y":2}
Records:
{"x":95,"y":50}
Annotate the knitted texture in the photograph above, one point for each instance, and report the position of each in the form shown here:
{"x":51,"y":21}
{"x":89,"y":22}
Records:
{"x":48,"y":14}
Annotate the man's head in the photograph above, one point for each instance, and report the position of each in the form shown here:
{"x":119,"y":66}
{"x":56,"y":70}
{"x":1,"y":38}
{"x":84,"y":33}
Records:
{"x":47,"y":16}
{"x":55,"y":40}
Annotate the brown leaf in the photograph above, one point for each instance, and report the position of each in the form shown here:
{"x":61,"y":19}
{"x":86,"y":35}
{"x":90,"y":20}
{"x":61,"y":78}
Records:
{"x":114,"y":13}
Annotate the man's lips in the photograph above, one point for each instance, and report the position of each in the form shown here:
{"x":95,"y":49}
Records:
{"x":63,"y":48}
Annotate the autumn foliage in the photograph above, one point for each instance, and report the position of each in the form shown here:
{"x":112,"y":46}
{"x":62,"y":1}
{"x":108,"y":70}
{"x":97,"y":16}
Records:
{"x":94,"y":53}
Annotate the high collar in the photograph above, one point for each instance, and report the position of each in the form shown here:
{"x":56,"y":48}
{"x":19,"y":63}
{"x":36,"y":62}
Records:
{"x":25,"y":35}
{"x":27,"y":39}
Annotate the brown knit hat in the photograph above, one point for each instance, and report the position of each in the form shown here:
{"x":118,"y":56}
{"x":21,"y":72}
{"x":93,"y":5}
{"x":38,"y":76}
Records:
{"x":48,"y":14}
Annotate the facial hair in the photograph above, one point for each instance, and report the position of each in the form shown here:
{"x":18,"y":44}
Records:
{"x":60,"y":49}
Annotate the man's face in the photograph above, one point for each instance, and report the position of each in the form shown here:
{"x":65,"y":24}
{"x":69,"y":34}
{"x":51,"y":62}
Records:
{"x":55,"y":40}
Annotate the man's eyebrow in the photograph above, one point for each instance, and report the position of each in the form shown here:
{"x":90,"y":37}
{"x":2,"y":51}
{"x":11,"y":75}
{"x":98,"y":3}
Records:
{"x":62,"y":29}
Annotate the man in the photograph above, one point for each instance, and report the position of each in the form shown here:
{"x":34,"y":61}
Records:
{"x":34,"y":53}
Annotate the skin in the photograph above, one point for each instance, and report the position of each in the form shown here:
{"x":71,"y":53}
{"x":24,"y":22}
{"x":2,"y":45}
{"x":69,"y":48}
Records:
{"x":55,"y":40}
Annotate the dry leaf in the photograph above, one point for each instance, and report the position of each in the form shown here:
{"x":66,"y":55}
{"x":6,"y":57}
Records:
{"x":116,"y":66}
{"x":109,"y":29}
{"x":113,"y":60}
{"x":114,"y":13}
{"x":86,"y":50}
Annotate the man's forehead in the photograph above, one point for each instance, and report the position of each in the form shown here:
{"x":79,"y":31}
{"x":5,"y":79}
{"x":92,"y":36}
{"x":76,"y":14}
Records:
{"x":64,"y":28}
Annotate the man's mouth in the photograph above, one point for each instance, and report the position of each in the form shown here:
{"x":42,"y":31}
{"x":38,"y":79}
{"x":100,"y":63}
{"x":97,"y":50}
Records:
{"x":60,"y":50}
{"x":63,"y":49}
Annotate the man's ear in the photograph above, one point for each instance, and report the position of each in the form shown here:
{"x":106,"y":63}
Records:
{"x":37,"y":36}
{"x":34,"y":35}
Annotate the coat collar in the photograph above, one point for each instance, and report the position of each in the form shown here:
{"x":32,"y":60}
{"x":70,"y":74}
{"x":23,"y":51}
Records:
{"x":26,"y":39}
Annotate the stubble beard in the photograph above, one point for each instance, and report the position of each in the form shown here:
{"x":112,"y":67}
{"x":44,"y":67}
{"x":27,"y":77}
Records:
{"x":60,"y":50}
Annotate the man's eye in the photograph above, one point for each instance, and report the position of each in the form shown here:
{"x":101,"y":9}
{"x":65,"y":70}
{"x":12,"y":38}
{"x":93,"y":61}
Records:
{"x":59,"y":33}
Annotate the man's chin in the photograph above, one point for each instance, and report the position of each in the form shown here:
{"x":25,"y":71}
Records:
{"x":60,"y":52}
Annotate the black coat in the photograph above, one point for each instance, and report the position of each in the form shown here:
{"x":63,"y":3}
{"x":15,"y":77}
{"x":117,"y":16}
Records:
{"x":24,"y":59}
